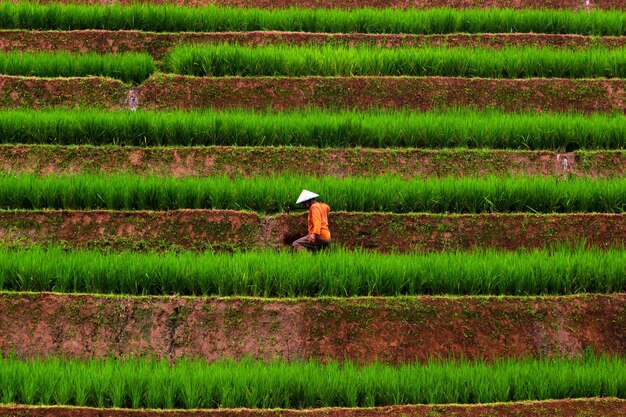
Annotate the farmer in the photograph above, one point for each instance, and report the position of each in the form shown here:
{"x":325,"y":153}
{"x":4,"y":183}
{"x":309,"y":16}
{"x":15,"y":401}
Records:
{"x":319,"y":235}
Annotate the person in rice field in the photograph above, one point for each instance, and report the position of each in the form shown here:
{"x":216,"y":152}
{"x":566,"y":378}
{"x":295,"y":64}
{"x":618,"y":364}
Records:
{"x":319,"y":234}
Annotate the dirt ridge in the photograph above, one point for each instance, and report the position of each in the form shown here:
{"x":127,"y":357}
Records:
{"x":280,"y":93}
{"x":597,"y":407}
{"x":227,"y":230}
{"x":366,"y":329}
{"x":262,"y":161}
{"x":158,"y":44}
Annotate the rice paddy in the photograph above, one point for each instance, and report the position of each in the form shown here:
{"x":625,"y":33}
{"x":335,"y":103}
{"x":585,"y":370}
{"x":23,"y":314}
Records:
{"x":275,"y":194}
{"x":129,"y":67}
{"x":278,"y":60}
{"x":336,"y":273}
{"x":455,"y":128}
{"x":170,"y":18}
{"x":189,"y":384}
{"x":109,"y":368}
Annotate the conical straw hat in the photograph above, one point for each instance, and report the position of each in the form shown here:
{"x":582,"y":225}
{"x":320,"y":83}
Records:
{"x":306,"y":195}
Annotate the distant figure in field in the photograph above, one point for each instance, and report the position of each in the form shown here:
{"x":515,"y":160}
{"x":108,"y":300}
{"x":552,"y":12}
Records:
{"x":319,"y":234}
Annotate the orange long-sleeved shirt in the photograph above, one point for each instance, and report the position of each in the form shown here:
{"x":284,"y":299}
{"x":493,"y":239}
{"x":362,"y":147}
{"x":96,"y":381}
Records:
{"x":318,"y":220}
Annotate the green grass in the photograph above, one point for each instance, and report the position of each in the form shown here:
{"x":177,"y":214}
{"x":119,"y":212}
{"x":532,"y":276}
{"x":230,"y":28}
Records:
{"x":277,"y":193}
{"x":317,"y":128}
{"x":142,"y":383}
{"x":128,"y":67}
{"x":173,"y":18}
{"x":287,"y":60}
{"x":337,"y":272}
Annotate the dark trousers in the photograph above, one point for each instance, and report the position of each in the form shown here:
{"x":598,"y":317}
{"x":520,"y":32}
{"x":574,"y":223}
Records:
{"x":303,"y":242}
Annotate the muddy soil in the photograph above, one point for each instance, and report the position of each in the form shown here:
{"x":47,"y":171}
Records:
{"x":226,"y":230}
{"x":351,"y":4}
{"x":419,"y":93}
{"x":595,"y":407}
{"x":158,"y":44}
{"x":391,"y":330}
{"x":264,"y":161}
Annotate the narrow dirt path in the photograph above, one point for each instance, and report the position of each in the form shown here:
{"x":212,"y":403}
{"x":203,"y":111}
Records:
{"x":227,"y":230}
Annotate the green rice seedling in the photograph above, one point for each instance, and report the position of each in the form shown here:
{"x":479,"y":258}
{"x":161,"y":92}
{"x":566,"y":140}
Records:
{"x":128,"y":67}
{"x":174,"y":18}
{"x":276,"y":193}
{"x":252,"y":384}
{"x":332,"y":60}
{"x":317,"y":128}
{"x":338,"y":273}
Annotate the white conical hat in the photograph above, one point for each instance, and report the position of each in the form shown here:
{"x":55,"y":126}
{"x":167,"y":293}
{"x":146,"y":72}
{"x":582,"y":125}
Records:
{"x":306,"y":195}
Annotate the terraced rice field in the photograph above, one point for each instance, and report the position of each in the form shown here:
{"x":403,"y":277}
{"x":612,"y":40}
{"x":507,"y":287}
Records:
{"x":473,"y":154}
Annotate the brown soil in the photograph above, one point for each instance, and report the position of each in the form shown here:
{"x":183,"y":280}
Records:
{"x":391,"y":330}
{"x":420,"y":93}
{"x":263,"y":161}
{"x":595,"y":407}
{"x":218,"y":229}
{"x":158,"y":44}
{"x":350,"y":4}
{"x":262,"y":93}
{"x":61,"y":92}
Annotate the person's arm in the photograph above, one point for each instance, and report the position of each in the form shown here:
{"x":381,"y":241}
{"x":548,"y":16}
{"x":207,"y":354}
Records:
{"x":316,"y":218}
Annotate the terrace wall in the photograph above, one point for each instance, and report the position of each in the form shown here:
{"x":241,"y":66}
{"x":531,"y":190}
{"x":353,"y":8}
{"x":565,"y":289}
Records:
{"x":391,"y":330}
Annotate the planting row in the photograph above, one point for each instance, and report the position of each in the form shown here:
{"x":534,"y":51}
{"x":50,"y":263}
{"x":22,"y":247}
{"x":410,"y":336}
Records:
{"x":280,"y":93}
{"x":129,"y":67}
{"x":233,"y":60}
{"x":169,"y":18}
{"x":353,"y":4}
{"x":317,"y":128}
{"x":279,"y":60}
{"x":142,"y":383}
{"x":335,"y":273}
{"x":278,"y":193}
{"x":159,"y":44}
{"x":262,"y":161}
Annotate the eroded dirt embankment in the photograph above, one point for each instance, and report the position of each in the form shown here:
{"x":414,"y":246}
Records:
{"x":420,"y":93}
{"x":264,"y":161}
{"x":352,"y":4}
{"x":61,"y":92}
{"x":391,"y":330}
{"x":595,"y":407}
{"x":158,"y":44}
{"x":280,"y":93}
{"x":224,"y":229}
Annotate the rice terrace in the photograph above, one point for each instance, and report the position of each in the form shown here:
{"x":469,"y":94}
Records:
{"x":158,"y":159}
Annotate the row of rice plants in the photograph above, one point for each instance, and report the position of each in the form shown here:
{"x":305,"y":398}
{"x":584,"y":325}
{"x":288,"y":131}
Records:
{"x":128,"y":67}
{"x":317,"y":128}
{"x":172,"y":18}
{"x":337,"y":273}
{"x":277,"y":193}
{"x":332,"y":60}
{"x":139,"y":383}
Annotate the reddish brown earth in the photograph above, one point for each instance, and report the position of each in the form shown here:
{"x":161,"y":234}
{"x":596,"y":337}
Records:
{"x":391,"y":330}
{"x":264,"y":161}
{"x":158,"y":44}
{"x":351,"y":4}
{"x":280,"y":93}
{"x":61,"y":92}
{"x":595,"y":407}
{"x":223,"y":229}
{"x":420,"y":93}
